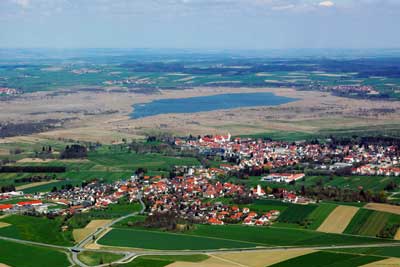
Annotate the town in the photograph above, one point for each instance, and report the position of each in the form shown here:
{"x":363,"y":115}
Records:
{"x":260,"y":156}
{"x":191,"y":196}
{"x":196,"y":193}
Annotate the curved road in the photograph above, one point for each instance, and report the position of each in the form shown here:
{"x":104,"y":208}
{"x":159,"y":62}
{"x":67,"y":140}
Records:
{"x":81,"y":245}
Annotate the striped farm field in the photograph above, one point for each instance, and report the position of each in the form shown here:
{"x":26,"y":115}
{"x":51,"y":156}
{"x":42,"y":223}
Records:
{"x":373,"y":223}
{"x":318,"y":216}
{"x":358,"y":221}
{"x":296,"y":213}
{"x":338,"y":219}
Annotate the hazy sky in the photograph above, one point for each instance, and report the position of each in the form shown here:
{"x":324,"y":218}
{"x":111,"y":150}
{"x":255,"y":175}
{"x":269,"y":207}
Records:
{"x":237,"y":24}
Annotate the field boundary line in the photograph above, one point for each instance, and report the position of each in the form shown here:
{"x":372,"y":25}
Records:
{"x":228,"y":261}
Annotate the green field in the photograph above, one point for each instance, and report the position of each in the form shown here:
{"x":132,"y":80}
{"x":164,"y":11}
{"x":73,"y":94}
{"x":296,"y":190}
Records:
{"x":95,"y":258}
{"x":386,"y":130}
{"x":296,"y":213}
{"x":371,"y":223}
{"x":38,"y":229}
{"x":331,"y":259}
{"x":166,"y":241}
{"x":283,"y":135}
{"x":318,"y":215}
{"x":374,"y":183}
{"x":227,"y":236}
{"x":160,"y":261}
{"x":15,"y":254}
{"x":375,"y":223}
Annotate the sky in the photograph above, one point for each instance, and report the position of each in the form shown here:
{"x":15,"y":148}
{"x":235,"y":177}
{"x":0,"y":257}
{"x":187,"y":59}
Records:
{"x":200,"y":24}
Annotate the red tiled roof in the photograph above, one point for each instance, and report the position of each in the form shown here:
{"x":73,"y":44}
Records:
{"x":6,"y":206}
{"x":32,"y":202}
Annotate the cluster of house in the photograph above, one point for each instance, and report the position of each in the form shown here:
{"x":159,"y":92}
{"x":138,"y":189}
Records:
{"x":225,"y":214}
{"x":65,"y":201}
{"x":92,"y":195}
{"x":24,"y":206}
{"x":84,"y":71}
{"x":364,"y":89}
{"x":8,"y":91}
{"x":282,"y":177}
{"x":133,"y":80}
{"x":18,"y":203}
{"x":260,"y":154}
{"x":372,"y":169}
{"x":193,"y":195}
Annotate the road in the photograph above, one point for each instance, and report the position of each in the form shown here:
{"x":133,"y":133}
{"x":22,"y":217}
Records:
{"x":81,"y":245}
{"x":132,"y":254}
{"x":89,"y":238}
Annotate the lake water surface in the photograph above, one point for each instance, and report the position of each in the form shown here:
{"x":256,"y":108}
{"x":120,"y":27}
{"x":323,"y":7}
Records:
{"x":207,"y":103}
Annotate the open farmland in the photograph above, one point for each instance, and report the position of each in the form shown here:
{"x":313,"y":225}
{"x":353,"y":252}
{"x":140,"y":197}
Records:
{"x":80,"y":233}
{"x":278,"y":236}
{"x":322,"y":259}
{"x":383,"y":207}
{"x":228,"y":236}
{"x":318,"y":216}
{"x":264,"y":258}
{"x":19,"y":255}
{"x":296,"y":213}
{"x":358,"y":221}
{"x":213,"y":261}
{"x":338,"y":219}
{"x":168,"y":260}
{"x":95,"y":258}
{"x":108,"y":163}
{"x":373,"y":223}
{"x":375,"y":183}
{"x":38,"y":229}
{"x":167,"y":241}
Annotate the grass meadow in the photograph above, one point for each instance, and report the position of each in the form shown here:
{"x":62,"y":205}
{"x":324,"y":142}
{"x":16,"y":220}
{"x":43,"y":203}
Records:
{"x":15,"y":254}
{"x":38,"y":229}
{"x":227,"y":236}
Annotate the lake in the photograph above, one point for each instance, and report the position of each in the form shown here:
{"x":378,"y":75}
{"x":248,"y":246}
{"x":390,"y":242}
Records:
{"x":207,"y":103}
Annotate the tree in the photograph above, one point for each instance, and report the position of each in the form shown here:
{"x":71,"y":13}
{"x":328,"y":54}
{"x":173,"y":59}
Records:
{"x":74,"y":151}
